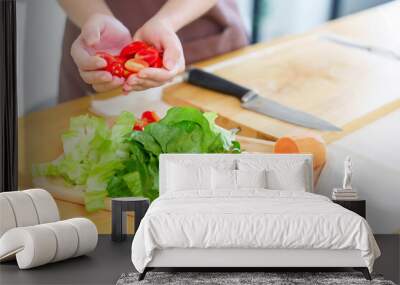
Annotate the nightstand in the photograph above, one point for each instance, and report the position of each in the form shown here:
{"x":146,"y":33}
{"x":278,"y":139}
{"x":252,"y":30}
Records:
{"x":119,"y":208}
{"x":357,"y":206}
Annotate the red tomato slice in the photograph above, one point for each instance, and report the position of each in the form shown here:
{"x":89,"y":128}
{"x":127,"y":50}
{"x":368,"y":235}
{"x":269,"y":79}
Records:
{"x":135,"y":65}
{"x":120,"y":59}
{"x":127,"y":73}
{"x":131,"y":49}
{"x":150,"y":117}
{"x":149,"y":54}
{"x":138,"y":126}
{"x":144,"y":122}
{"x":106,"y":56}
{"x":114,"y":64}
{"x":158,"y":63}
{"x":116,"y":68}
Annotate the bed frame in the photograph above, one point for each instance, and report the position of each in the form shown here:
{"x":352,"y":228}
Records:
{"x":246,"y":259}
{"x":256,"y":259}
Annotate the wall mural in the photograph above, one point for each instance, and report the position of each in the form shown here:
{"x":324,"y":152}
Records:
{"x":89,"y":143}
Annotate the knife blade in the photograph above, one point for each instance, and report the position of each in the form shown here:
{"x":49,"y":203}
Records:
{"x":369,"y":48}
{"x":252,"y":101}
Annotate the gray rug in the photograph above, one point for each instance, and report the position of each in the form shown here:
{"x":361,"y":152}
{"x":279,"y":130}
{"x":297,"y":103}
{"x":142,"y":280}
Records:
{"x":269,"y":278}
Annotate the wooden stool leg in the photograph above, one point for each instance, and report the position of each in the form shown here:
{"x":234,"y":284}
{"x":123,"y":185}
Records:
{"x":140,"y":211}
{"x":118,"y":217}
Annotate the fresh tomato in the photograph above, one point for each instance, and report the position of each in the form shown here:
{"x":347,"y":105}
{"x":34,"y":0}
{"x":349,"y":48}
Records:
{"x":114,"y":64}
{"x":149,"y":54}
{"x":120,"y":59}
{"x":131,"y":49}
{"x":158,"y":63}
{"x":138,"y":126}
{"x":106,"y":56}
{"x":135,"y":65}
{"x":134,"y":57}
{"x":116,"y":68}
{"x":150,"y":117}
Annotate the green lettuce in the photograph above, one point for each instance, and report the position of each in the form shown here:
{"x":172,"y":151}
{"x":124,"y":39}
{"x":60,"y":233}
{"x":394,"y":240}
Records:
{"x":92,"y":154}
{"x":182,"y":130}
{"x":120,"y":162}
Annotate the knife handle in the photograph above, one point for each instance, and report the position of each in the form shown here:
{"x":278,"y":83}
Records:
{"x":213,"y":82}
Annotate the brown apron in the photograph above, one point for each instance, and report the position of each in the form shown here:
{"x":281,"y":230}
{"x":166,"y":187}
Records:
{"x":219,"y":31}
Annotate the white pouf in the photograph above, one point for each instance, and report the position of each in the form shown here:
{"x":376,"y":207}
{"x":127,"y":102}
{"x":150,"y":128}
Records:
{"x":87,"y":235}
{"x":66,"y":237}
{"x":46,"y":207}
{"x":31,"y":232}
{"x":37,"y":245}
{"x":23,"y":209}
{"x":7,"y":218}
{"x":32,"y":246}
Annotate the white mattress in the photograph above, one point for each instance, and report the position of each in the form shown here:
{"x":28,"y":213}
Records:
{"x":252,"y":219}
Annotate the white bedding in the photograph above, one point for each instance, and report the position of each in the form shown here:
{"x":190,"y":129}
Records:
{"x":251,"y":218}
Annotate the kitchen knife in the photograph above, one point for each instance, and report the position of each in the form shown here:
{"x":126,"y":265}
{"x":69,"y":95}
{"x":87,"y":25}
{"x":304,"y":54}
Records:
{"x":252,"y":101}
{"x":372,"y":49}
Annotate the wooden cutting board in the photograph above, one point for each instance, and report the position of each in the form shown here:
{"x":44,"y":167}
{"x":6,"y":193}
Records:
{"x":336,"y":83}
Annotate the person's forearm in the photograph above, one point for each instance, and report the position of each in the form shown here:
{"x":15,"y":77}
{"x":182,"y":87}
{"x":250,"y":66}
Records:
{"x":80,"y":10}
{"x":179,"y":13}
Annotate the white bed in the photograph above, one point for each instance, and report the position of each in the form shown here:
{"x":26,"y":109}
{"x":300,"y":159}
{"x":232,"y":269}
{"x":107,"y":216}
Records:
{"x":248,"y":227}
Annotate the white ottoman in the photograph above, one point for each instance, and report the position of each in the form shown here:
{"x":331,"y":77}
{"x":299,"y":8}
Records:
{"x":31,"y":232}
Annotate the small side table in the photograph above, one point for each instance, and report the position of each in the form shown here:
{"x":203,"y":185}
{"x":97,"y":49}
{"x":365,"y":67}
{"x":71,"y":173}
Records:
{"x":357,"y":206}
{"x":119,"y":208}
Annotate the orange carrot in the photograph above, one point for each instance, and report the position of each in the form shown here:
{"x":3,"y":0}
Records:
{"x":307,"y":144}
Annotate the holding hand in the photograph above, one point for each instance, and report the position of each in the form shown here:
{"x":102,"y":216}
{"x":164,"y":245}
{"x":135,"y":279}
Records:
{"x":99,"y":33}
{"x":102,"y":32}
{"x":161,"y":35}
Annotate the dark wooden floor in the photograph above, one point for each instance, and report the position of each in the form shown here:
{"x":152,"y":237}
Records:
{"x":102,"y":266}
{"x":110,"y":260}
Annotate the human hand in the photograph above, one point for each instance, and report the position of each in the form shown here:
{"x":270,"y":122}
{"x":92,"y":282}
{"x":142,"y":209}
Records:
{"x":99,"y":33}
{"x":161,"y":35}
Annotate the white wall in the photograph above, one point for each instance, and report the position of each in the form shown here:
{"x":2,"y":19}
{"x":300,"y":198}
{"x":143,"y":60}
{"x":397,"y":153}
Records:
{"x":376,"y":161}
{"x":40,"y":26}
{"x":292,"y":17}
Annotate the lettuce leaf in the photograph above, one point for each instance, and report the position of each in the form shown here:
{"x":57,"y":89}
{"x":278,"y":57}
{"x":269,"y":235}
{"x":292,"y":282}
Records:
{"x":93,"y":153}
{"x":182,"y":130}
{"x":95,"y":200}
{"x":120,"y":162}
{"x":187,"y":119}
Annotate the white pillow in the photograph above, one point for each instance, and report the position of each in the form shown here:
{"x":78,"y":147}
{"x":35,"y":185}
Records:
{"x":251,"y":178}
{"x":287,"y":179}
{"x":227,"y":179}
{"x":182,"y":177}
{"x":282,"y":174}
{"x":224,"y":179}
